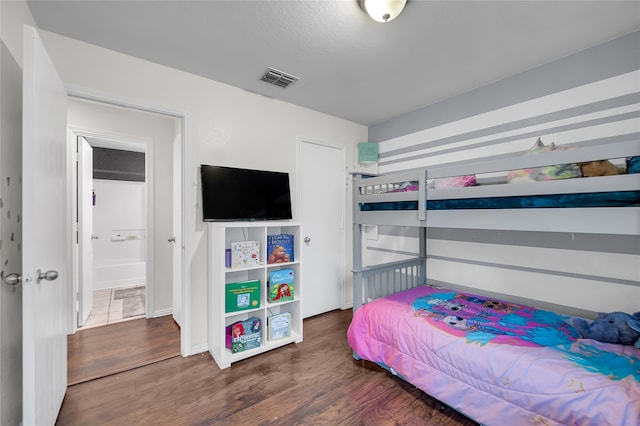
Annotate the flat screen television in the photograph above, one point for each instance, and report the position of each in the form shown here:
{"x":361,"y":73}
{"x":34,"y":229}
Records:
{"x":233,"y":194}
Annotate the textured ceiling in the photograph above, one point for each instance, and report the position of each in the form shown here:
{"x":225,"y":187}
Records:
{"x":349,"y":65}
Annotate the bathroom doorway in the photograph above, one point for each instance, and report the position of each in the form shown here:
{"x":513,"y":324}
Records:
{"x":112,"y":229}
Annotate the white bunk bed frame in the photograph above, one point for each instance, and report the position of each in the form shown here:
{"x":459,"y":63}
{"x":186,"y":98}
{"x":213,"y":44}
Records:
{"x":371,"y":282}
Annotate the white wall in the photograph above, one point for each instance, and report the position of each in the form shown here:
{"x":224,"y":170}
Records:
{"x":226,"y":126}
{"x":119,"y":222}
{"x":126,"y":124}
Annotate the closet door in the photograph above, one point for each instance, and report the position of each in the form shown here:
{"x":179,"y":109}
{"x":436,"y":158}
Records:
{"x":322,"y":212}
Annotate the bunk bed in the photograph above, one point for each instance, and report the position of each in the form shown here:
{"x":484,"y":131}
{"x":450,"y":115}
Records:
{"x":494,"y":360}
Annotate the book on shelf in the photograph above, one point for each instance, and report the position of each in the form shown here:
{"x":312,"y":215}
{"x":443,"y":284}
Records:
{"x":245,"y":254}
{"x":243,"y":335}
{"x":279,"y":326}
{"x":280,"y":248}
{"x":241,"y":296}
{"x":281,"y":283}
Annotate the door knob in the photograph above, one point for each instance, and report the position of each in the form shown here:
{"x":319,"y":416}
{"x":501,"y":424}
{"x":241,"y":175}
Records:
{"x":172,"y":240}
{"x":49,"y":275}
{"x":13,"y":279}
{"x":307,"y":239}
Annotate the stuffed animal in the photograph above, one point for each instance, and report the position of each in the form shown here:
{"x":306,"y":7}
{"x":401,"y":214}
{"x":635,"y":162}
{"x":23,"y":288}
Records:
{"x":599,"y":168}
{"x":614,"y":327}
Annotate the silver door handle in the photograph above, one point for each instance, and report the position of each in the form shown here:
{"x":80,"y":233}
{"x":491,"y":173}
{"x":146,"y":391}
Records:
{"x":49,"y":275}
{"x":307,"y":239}
{"x":13,"y":279}
{"x":172,"y":240}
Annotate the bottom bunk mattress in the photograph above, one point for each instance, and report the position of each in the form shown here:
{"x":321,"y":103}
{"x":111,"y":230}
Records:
{"x":499,"y":362}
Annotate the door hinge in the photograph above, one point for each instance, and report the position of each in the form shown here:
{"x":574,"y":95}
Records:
{"x":78,"y":296}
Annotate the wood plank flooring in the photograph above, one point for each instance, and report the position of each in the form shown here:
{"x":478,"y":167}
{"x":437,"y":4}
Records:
{"x":314,"y":382}
{"x":113,"y":348}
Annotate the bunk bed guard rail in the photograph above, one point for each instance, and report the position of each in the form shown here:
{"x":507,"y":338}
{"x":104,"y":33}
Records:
{"x":381,"y":280}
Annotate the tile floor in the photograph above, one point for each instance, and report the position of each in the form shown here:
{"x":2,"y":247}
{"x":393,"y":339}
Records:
{"x":106,"y":310}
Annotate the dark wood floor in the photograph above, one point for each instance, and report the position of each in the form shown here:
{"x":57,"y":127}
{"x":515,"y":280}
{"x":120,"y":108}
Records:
{"x":101,"y":351}
{"x":314,"y":382}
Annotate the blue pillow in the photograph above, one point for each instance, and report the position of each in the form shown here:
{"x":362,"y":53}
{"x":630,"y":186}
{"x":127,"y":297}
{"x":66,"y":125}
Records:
{"x":633,"y":165}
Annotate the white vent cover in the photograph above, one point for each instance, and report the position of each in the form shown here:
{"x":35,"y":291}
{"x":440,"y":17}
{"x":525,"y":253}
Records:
{"x":278,"y":78}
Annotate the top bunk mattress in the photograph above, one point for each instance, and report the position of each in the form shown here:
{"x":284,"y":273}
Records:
{"x":499,"y":362}
{"x":595,"y":199}
{"x":565,"y":178}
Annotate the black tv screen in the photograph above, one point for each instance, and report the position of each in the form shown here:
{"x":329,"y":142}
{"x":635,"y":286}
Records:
{"x":230,"y":194}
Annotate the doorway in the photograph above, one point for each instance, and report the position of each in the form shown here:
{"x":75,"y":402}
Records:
{"x":113,"y":178}
{"x":129,"y":129}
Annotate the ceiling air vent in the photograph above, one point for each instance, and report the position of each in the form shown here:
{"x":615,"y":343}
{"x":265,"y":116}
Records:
{"x":278,"y":78}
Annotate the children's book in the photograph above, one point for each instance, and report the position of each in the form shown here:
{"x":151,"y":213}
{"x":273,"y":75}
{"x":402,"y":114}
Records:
{"x":279,"y":326}
{"x":241,"y":296}
{"x":280,"y":248}
{"x":245,"y":254}
{"x":281,"y":284}
{"x":243,"y":335}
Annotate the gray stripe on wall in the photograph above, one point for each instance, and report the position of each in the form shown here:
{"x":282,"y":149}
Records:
{"x":399,"y":231}
{"x":531,"y":121}
{"x":619,"y":244}
{"x":583,"y":143}
{"x":606,"y":60}
{"x":538,"y":270}
{"x":530,"y":134}
{"x":390,"y":251}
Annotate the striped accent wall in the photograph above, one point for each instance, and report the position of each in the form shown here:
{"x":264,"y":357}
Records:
{"x":596,"y":113}
{"x":575,"y":273}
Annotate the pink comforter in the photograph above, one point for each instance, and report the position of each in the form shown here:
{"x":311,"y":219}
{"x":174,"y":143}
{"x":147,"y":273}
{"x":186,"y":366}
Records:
{"x":498,"y":362}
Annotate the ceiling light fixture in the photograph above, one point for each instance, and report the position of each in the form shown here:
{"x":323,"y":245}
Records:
{"x":382,"y":10}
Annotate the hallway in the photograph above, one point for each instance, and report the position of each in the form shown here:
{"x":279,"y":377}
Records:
{"x":103,"y":351}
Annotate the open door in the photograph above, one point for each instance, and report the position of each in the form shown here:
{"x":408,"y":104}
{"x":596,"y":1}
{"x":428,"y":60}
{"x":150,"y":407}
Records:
{"x":176,"y":239}
{"x":46,"y":283}
{"x":85,"y":230}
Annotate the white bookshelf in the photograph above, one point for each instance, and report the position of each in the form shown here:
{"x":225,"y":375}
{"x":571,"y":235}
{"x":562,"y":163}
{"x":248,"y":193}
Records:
{"x":220,"y":237}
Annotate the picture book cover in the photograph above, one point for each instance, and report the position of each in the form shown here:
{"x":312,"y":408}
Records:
{"x":281,"y":283}
{"x":244,"y":335}
{"x":280,"y":248}
{"x":245,"y":254}
{"x":279,"y":326}
{"x":241,"y":296}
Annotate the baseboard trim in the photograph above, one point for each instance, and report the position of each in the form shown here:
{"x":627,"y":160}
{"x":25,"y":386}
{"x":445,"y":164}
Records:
{"x":162,"y":312}
{"x":199,"y":349}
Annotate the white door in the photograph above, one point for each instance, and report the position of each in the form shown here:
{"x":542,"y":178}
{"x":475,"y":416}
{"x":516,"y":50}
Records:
{"x":45,"y":233}
{"x":85,"y":230}
{"x":322,"y":207}
{"x":176,"y":239}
